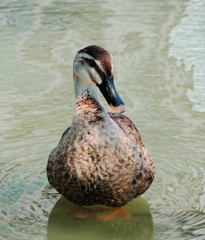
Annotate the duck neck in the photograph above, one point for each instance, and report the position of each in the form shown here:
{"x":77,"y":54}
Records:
{"x":82,"y":88}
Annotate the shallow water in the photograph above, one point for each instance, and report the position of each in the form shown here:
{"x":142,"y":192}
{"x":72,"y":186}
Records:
{"x":159,"y":61}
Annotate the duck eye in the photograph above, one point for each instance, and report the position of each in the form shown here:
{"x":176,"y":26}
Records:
{"x":92,"y":63}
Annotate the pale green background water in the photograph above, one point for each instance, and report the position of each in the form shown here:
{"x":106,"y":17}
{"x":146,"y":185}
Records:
{"x":158,"y":48}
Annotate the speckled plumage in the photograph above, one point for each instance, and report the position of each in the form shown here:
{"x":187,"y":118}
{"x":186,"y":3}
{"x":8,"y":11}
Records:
{"x":100,"y":159}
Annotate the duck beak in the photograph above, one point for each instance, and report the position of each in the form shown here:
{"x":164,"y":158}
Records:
{"x":112,"y":97}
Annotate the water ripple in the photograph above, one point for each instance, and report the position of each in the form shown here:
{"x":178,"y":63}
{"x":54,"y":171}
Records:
{"x":182,"y":225}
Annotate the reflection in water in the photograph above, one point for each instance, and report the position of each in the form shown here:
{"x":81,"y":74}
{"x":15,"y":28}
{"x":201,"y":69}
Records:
{"x":66,"y":221}
{"x":188,"y":48}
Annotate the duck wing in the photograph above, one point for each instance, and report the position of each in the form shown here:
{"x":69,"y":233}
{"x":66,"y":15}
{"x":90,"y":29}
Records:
{"x":128,"y":127}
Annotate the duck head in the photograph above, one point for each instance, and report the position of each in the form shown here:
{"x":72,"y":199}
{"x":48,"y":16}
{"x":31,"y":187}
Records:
{"x":93,"y":68}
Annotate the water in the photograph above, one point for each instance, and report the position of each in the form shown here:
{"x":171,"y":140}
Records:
{"x":159,"y":59}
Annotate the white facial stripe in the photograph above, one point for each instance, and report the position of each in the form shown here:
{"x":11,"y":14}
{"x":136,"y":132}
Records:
{"x":96,"y":76}
{"x":84,"y":72}
{"x":99,"y":65}
{"x":92,"y":71}
{"x":85,"y":55}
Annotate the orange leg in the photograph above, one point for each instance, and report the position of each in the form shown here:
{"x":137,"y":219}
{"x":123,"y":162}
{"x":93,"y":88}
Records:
{"x":103,"y":214}
{"x":113,"y":214}
{"x":79,"y":212}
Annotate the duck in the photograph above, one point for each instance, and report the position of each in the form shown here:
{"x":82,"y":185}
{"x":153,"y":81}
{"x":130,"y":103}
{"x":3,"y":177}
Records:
{"x":100,"y":159}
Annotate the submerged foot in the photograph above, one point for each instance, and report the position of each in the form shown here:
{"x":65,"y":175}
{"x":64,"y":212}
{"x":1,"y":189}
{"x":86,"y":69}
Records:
{"x":113,"y":214}
{"x":101,"y":213}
